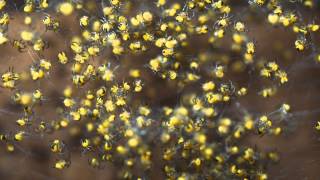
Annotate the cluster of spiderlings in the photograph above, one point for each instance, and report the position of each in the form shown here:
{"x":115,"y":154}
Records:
{"x":117,"y":49}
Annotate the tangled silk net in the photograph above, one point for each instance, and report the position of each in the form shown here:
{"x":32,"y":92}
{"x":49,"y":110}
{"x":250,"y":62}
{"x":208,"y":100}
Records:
{"x":159,"y":89}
